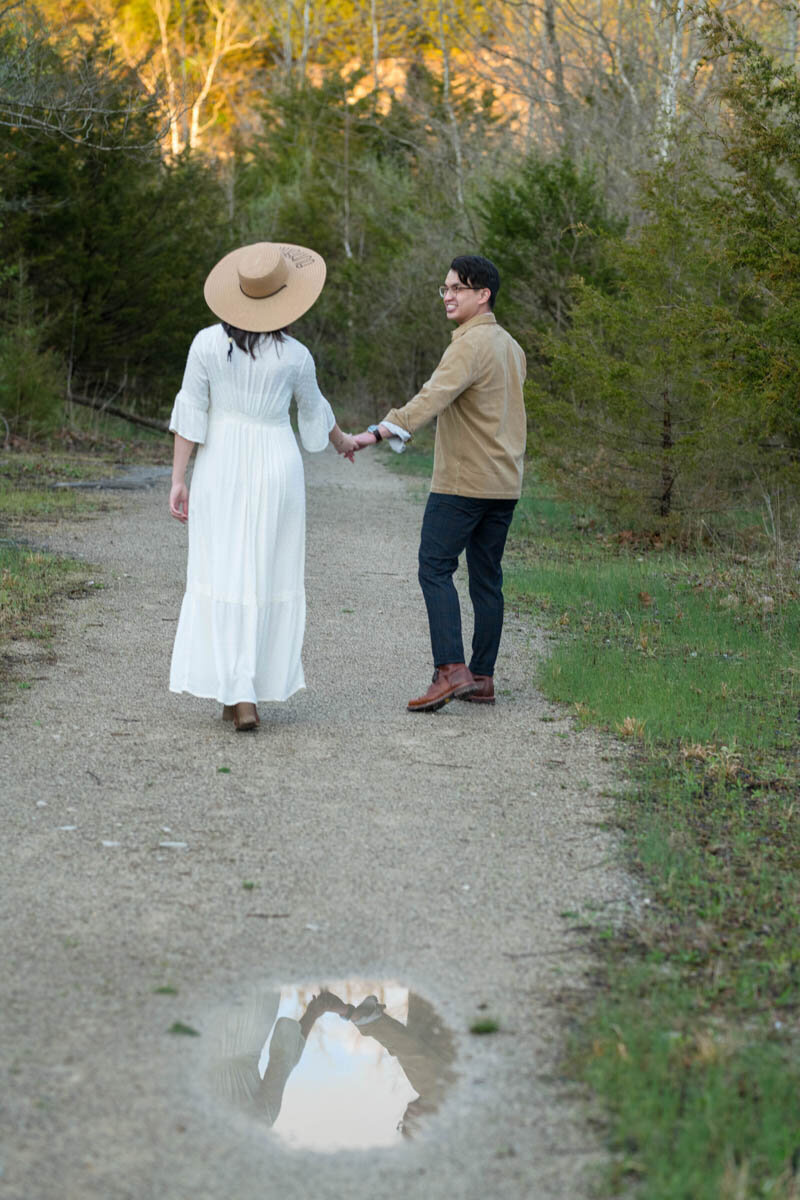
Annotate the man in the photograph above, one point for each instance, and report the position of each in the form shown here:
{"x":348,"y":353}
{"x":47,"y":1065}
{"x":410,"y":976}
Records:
{"x":476,"y":394}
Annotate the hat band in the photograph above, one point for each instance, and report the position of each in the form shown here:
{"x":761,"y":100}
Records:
{"x":266,"y":296}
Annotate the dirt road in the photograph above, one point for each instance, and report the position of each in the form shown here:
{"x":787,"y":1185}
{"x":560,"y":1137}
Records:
{"x":436,"y":851}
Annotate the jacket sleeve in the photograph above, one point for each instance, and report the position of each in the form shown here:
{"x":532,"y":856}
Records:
{"x":315,"y":417}
{"x":455,"y":373}
{"x":190,"y":412}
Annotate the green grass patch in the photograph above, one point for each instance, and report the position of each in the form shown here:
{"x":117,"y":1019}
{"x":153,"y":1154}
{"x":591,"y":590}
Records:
{"x":657,"y":645}
{"x":33,"y":504}
{"x":32,"y":580}
{"x":484,"y":1026}
{"x":179,"y":1027}
{"x":29,"y":582}
{"x":29,"y":479}
{"x":416,"y":459}
{"x":692,"y":1040}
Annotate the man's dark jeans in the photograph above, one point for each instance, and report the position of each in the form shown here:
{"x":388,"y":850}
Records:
{"x":452,"y":524}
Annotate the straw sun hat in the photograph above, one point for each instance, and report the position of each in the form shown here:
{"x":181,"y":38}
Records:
{"x":265,"y":286}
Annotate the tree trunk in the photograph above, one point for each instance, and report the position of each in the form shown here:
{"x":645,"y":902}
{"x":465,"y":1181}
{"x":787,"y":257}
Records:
{"x":305,"y":44}
{"x":452,"y":120}
{"x":559,"y":86}
{"x":162,"y":8}
{"x":113,"y":411}
{"x":667,"y":470}
{"x":669,"y":96}
{"x":376,"y":56}
{"x":791,"y":20}
{"x":348,"y":250}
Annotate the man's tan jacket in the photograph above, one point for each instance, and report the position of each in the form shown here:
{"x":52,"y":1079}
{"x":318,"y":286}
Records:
{"x":476,"y":393}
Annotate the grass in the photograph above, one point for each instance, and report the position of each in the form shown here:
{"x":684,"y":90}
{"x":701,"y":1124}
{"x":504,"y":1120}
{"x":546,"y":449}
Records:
{"x":32,"y":580}
{"x":29,"y":582}
{"x":683,"y":649}
{"x":27,"y":486}
{"x":415,"y":460}
{"x":690,"y":1039}
{"x":30,"y":475}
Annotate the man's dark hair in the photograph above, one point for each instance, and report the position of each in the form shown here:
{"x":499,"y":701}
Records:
{"x":478,"y":272}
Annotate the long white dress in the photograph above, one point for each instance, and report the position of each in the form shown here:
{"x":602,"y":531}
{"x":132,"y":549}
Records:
{"x":240,"y":631}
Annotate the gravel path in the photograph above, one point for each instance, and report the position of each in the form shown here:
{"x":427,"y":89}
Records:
{"x":436,"y":850}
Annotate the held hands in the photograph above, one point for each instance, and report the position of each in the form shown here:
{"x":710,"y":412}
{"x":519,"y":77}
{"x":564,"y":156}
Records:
{"x":346,"y":445}
{"x":179,"y":502}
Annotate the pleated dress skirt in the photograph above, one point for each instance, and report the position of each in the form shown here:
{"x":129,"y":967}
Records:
{"x":241,"y":625}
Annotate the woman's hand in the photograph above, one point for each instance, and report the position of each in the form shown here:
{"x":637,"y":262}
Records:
{"x":179,"y":502}
{"x":346,"y":445}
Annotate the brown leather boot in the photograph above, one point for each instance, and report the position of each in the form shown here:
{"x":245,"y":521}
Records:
{"x":245,"y":717}
{"x":452,"y":679}
{"x":484,"y":693}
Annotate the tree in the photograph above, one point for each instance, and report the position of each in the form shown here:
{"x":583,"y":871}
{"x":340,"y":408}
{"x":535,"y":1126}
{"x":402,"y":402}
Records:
{"x":60,"y":85}
{"x":114,"y":249}
{"x":633,"y":413}
{"x":544,"y":224}
{"x":756,"y":208}
{"x":375,"y":195}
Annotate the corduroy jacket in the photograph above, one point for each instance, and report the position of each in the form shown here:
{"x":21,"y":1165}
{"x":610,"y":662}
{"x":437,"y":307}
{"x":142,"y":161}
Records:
{"x":476,"y":394}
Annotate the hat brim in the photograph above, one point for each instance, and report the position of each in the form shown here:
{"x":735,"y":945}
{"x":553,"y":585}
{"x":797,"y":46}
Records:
{"x":304,"y":282}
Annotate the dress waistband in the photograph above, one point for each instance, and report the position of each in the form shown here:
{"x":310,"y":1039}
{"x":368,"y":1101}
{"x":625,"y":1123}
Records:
{"x":232,"y":414}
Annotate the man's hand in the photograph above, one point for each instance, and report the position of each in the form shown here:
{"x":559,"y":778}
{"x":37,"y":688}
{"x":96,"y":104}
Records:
{"x":368,"y":439}
{"x":365,"y":439}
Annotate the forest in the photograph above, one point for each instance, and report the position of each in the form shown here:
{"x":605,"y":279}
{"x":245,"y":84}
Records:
{"x":632,"y":168}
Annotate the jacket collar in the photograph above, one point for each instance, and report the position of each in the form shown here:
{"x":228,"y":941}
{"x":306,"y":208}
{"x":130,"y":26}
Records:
{"x":481,"y":319}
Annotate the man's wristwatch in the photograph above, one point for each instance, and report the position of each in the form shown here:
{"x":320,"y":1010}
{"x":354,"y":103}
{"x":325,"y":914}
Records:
{"x":376,"y":430}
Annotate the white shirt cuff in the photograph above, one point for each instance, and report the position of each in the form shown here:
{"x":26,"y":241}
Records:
{"x":399,"y":436}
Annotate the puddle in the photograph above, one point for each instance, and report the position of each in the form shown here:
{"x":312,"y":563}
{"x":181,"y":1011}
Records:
{"x":357,"y":1065}
{"x":129,"y":479}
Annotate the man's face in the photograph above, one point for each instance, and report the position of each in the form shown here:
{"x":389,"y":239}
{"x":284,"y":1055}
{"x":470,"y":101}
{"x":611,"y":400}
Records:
{"x":463,"y":304}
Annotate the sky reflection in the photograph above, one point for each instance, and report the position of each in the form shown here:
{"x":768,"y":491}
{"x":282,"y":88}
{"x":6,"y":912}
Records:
{"x":353,"y":1065}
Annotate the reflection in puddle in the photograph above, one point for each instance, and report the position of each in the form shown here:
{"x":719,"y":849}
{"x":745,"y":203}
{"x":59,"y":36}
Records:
{"x":356,"y":1064}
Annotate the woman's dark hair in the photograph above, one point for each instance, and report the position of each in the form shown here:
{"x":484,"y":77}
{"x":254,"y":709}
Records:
{"x":476,"y":271}
{"x":247,"y":340}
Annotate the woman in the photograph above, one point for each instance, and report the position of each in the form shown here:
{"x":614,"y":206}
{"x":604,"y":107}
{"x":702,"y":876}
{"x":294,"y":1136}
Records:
{"x":240,"y":632}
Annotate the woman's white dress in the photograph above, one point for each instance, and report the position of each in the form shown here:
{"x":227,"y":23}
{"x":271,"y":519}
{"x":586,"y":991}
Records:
{"x":240,"y":631}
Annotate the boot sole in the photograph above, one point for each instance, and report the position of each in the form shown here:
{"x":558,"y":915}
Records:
{"x":461,"y":693}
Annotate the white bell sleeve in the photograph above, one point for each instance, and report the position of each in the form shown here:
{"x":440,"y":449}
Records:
{"x":315,"y":417}
{"x":190,"y":411}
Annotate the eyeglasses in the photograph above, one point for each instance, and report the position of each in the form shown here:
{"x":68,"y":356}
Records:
{"x":444,"y":288}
